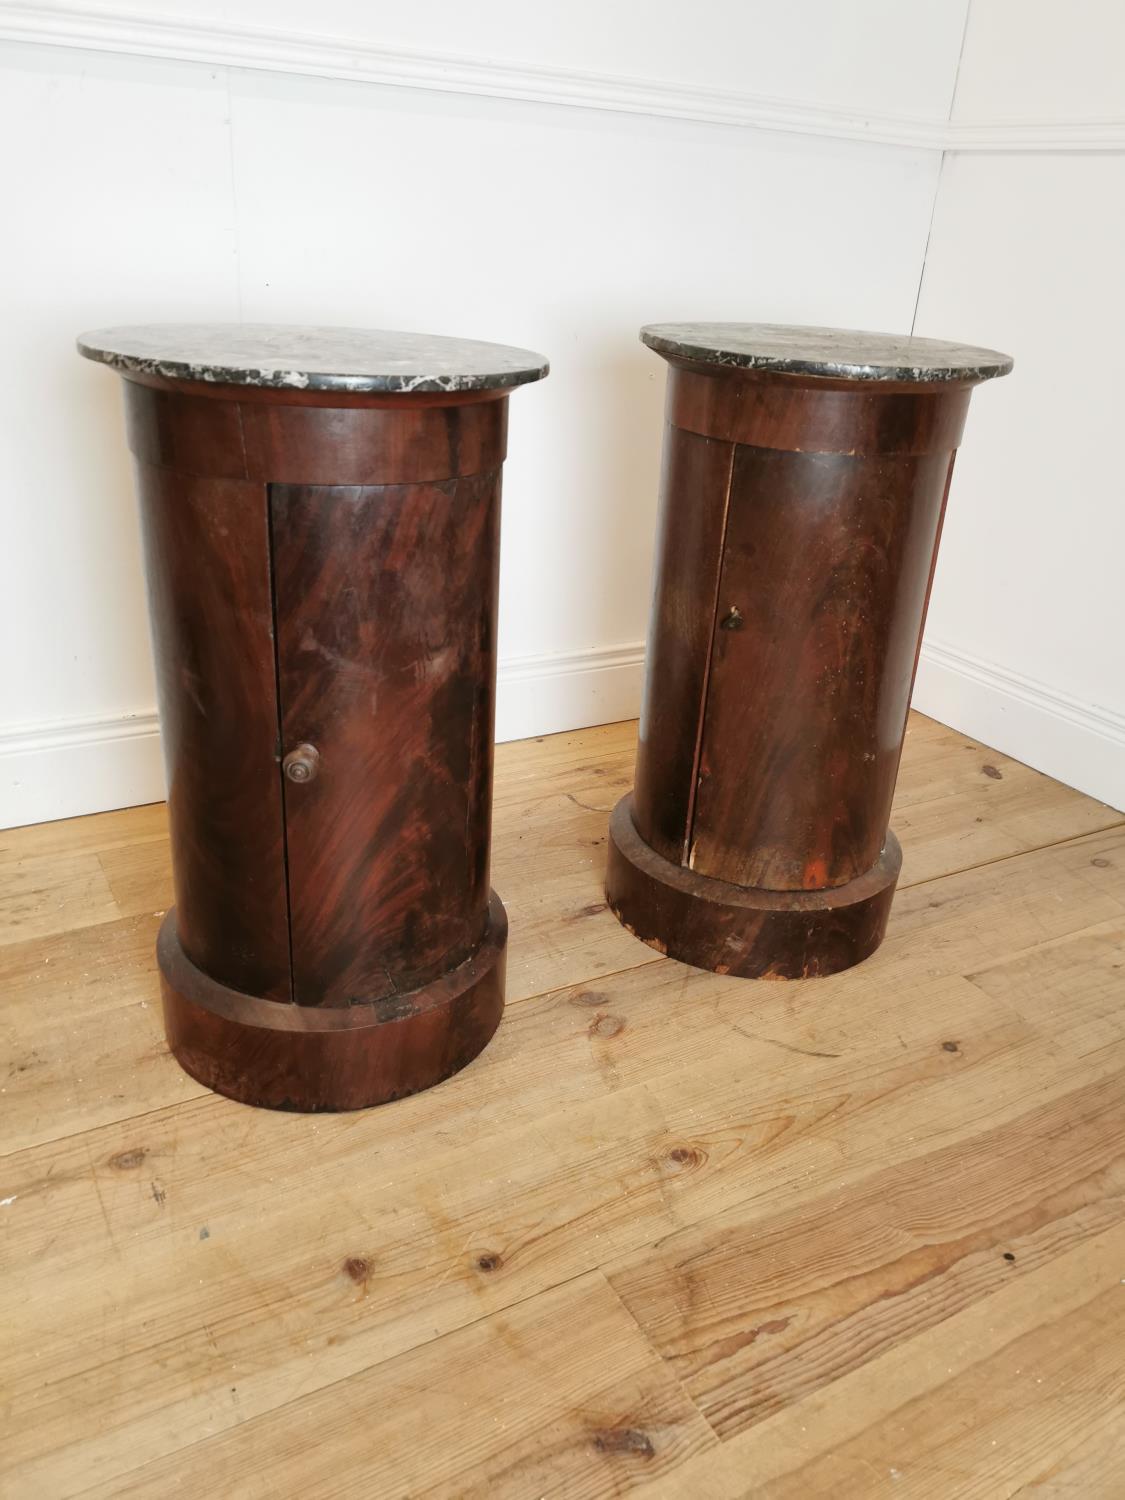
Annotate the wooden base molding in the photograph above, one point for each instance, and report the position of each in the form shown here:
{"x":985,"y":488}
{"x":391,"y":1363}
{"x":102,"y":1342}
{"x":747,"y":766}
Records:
{"x":731,"y":929}
{"x":312,"y":1058}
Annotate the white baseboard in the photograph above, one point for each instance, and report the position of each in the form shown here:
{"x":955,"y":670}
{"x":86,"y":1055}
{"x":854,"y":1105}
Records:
{"x":67,"y":769}
{"x":547,"y":694}
{"x":64,"y":770}
{"x":1046,"y":729}
{"x":360,"y":59}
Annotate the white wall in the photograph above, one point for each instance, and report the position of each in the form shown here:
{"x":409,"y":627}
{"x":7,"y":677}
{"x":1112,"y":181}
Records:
{"x":151,"y":187}
{"x":551,"y":176}
{"x":1025,"y":647}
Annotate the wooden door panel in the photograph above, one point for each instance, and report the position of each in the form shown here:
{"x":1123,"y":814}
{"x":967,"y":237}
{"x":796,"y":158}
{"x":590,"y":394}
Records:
{"x":386,"y":607}
{"x":826,"y":568}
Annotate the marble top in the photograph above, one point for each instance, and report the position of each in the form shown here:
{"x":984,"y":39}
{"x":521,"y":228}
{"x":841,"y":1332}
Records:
{"x":840,"y":353}
{"x":301,"y":358}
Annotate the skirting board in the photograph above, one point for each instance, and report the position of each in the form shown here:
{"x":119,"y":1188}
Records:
{"x":65,"y":770}
{"x":1045,"y":729}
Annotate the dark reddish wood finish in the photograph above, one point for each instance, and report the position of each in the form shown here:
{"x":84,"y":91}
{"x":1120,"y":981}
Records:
{"x":322,"y":576}
{"x":387,"y":654}
{"x":782,"y":651}
{"x":312,"y":1058}
{"x":689,"y":545}
{"x":374,"y":445}
{"x":208,"y":571}
{"x":824,"y":576}
{"x":732,"y":929}
{"x":282,"y":442}
{"x":822,"y":416}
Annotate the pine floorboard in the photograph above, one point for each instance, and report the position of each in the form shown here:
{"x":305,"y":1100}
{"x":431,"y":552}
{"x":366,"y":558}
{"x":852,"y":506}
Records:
{"x":672,"y":1233}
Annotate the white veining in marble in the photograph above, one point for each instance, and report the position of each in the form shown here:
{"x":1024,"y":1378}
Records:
{"x":837,"y":352}
{"x":295,"y":357}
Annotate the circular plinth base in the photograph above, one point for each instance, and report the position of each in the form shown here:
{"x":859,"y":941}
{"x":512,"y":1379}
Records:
{"x":308,"y":1058}
{"x":730,"y":929}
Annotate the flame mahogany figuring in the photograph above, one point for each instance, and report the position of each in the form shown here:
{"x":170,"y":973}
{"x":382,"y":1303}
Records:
{"x":322,"y":571}
{"x":799,"y":524}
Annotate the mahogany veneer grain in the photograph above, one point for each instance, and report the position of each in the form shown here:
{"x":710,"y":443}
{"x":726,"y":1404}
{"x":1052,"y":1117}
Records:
{"x":322,"y":576}
{"x":800,"y":516}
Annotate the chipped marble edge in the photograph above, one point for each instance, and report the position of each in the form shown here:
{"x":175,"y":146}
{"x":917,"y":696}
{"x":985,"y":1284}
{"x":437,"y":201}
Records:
{"x":828,"y":368}
{"x":308,"y":380}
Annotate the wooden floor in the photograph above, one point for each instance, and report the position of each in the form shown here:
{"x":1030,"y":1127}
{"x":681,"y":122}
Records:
{"x":673,"y":1233}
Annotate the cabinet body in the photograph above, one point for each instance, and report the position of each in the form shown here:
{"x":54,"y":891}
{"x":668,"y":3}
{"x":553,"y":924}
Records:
{"x":322,"y":579}
{"x":799,"y":523}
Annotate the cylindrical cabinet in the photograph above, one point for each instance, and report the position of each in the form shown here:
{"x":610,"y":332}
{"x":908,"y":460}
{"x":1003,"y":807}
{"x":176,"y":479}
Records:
{"x":320,"y":512}
{"x":805,"y":478}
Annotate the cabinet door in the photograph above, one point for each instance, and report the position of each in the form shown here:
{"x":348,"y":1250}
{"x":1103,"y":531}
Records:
{"x":826,"y":566}
{"x":386,"y":609}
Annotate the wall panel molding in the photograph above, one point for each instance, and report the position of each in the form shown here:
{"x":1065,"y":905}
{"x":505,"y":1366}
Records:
{"x":182,"y":39}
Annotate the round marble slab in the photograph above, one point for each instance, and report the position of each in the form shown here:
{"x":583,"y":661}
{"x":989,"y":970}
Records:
{"x":840,"y":353}
{"x":294,"y":357}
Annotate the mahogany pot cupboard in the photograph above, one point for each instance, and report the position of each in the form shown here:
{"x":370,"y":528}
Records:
{"x":804,"y":484}
{"x":320,"y":512}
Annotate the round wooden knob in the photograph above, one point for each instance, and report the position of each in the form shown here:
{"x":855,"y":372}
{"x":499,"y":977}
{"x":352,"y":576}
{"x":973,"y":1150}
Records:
{"x":301,"y":764}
